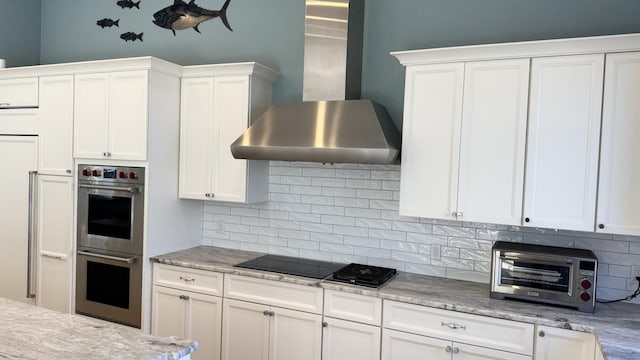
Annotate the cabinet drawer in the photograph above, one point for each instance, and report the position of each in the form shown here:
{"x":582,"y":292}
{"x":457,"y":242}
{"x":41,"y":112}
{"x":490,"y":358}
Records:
{"x":353,"y":307}
{"x":450,"y":325}
{"x":19,"y":121}
{"x":205,"y":282}
{"x":276,"y":293}
{"x":16,"y":93}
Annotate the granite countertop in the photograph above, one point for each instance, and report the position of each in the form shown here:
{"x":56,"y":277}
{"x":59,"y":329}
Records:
{"x":31,"y":332}
{"x":616,"y":325}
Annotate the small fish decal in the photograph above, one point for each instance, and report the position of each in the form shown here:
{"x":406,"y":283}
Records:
{"x":182,"y":15}
{"x":128,"y":4}
{"x":131,"y":36}
{"x":108,"y":23}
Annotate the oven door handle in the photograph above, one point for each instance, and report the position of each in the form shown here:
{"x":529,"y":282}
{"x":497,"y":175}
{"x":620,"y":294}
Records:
{"x":131,"y":189}
{"x":129,"y":260}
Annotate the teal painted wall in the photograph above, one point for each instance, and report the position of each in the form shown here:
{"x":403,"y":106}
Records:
{"x":20,"y":32}
{"x":271,"y":32}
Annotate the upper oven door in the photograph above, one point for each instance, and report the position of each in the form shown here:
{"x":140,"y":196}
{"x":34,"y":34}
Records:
{"x":111,"y":217}
{"x":522,"y":273}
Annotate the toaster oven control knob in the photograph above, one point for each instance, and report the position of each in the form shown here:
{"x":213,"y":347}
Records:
{"x":133,"y":175}
{"x":96,"y":173}
{"x":86,"y":172}
{"x":586,"y":284}
{"x":122,"y":175}
{"x":585,"y":296}
{"x":600,"y":226}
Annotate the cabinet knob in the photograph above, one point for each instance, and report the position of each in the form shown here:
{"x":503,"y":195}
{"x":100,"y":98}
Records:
{"x":454,"y":214}
{"x":184,"y":297}
{"x":325,"y":324}
{"x":266,"y":312}
{"x":68,"y":171}
{"x":448,"y":349}
{"x":541,"y":333}
{"x":453,"y":326}
{"x":527,"y":219}
{"x":456,"y":350}
{"x":458,"y":214}
{"x":600,"y":226}
{"x":187,"y":279}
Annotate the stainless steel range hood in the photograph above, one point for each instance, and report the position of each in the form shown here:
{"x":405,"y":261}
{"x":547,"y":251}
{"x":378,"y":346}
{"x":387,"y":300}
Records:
{"x":328,"y":125}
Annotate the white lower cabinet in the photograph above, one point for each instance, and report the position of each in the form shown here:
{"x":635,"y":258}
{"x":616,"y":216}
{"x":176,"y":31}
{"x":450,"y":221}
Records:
{"x":351,"y":326}
{"x":560,"y":344}
{"x":263,"y":331}
{"x":55,"y":242}
{"x":180,"y":311}
{"x":407,"y":346}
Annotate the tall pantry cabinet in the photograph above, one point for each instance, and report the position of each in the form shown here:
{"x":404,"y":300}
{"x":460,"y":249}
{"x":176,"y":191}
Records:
{"x":55,"y":195}
{"x":218,"y":103}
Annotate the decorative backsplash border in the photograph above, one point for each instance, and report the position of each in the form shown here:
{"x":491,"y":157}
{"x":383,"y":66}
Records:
{"x":349,"y":213}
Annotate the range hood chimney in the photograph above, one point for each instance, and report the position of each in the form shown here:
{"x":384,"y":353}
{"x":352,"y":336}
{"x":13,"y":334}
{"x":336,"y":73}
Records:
{"x":330,"y":125}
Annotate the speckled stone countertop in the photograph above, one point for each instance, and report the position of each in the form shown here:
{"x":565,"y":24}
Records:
{"x":31,"y":332}
{"x":616,"y":325}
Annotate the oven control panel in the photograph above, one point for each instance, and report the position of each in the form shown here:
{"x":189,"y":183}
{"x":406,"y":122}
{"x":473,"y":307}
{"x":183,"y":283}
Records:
{"x":111,"y":174}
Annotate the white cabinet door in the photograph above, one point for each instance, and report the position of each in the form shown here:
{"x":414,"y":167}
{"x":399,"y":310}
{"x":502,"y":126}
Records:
{"x":169,"y":313}
{"x":128,"y":106}
{"x":492,"y":144}
{"x":110,"y":117}
{"x":470,"y":352}
{"x":618,"y":193}
{"x":14,"y":213}
{"x":91,"y":115}
{"x":55,"y":242}
{"x":231,"y":119}
{"x":205,"y":325}
{"x":188,"y":315}
{"x":563,"y":141}
{"x":295,"y":335}
{"x":55,"y":155}
{"x":347,"y":340}
{"x":400,"y":345}
{"x":245,"y":331}
{"x":431,"y":139}
{"x":196,"y":148}
{"x":560,"y":344}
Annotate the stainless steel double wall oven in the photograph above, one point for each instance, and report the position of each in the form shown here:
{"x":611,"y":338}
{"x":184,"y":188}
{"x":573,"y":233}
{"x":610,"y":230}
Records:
{"x":110,"y":242}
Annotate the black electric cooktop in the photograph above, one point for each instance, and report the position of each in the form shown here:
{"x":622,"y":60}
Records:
{"x":356,"y":274}
{"x":316,"y":269}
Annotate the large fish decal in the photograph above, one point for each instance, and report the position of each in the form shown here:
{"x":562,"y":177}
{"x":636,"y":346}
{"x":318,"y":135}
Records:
{"x":182,"y":15}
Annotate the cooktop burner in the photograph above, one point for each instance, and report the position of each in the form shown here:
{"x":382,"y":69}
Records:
{"x":366,"y":275}
{"x":316,"y":269}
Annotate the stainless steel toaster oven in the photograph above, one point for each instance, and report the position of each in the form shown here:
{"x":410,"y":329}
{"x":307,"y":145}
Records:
{"x":546,"y":274}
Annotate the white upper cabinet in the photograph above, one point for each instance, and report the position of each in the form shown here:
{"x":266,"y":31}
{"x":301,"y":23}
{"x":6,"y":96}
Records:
{"x":492,"y":147}
{"x":56,"y":125}
{"x":618,"y":193}
{"x":464,"y":138}
{"x":430,"y":140}
{"x":111,"y":115}
{"x":218,"y":103}
{"x":19,"y":93}
{"x":563,"y":142}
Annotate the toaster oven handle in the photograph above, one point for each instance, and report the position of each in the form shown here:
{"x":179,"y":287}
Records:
{"x":129,"y":260}
{"x":131,"y":189}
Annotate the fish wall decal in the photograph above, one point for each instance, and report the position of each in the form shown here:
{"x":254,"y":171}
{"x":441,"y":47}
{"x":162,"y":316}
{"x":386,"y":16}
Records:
{"x":131,"y":36}
{"x":108,"y":23}
{"x":128,"y":4}
{"x":182,"y":15}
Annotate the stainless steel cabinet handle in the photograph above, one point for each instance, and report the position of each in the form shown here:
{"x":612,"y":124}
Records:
{"x":187,"y":279}
{"x":106,"y":154}
{"x":541,"y":333}
{"x":68,"y":171}
{"x":184,"y":297}
{"x":129,"y":260}
{"x":131,"y":189}
{"x":31,"y":236}
{"x":50,"y":256}
{"x":448,"y":349}
{"x":453,"y":325}
{"x":266,"y":313}
{"x":5,"y":104}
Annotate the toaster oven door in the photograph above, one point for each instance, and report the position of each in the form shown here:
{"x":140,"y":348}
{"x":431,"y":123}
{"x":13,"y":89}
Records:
{"x":533,"y":276}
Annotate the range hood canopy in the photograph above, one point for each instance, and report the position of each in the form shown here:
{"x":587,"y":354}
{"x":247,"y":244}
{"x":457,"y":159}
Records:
{"x":328,"y":125}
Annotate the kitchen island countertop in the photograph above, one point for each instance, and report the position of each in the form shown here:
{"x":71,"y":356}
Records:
{"x":31,"y":332}
{"x":615,"y":325}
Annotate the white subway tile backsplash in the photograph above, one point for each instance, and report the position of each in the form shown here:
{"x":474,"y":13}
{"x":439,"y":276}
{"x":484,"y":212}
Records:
{"x":349,"y":213}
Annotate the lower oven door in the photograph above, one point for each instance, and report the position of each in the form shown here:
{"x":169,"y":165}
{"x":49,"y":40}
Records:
{"x":109,"y":286}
